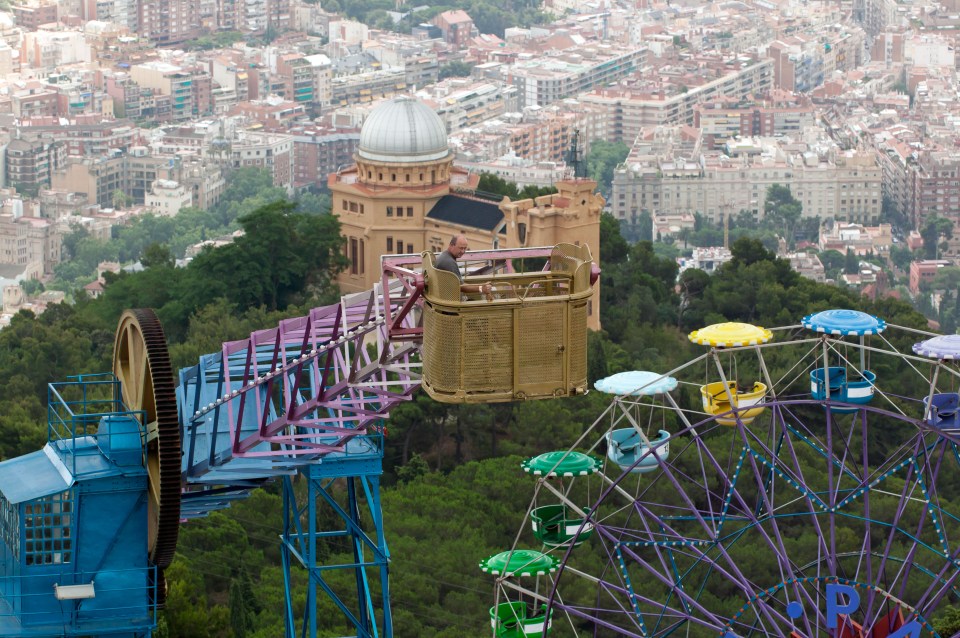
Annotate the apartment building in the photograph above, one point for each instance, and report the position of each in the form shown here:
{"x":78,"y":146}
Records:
{"x":273,"y":113}
{"x":168,"y":197}
{"x":125,"y":93}
{"x":230,"y":81}
{"x":30,"y":98}
{"x":935,"y":186}
{"x":26,"y":241}
{"x":896,"y":163}
{"x":649,"y":104}
{"x":726,"y":119}
{"x":167,"y":80}
{"x":132,"y":174}
{"x":462,"y":103}
{"x":82,"y":139}
{"x":876,"y":15}
{"x":545,"y":79}
{"x":305,"y":80}
{"x":924,"y":272}
{"x":31,"y":16}
{"x":369,"y":86}
{"x":167,"y":22}
{"x":537,"y":134}
{"x":520,"y":171}
{"x":229,"y":15}
{"x":201,"y":89}
{"x":270,"y":151}
{"x":320,"y":151}
{"x":668,"y":173}
{"x":456,"y":26}
{"x":859,"y":239}
{"x":30,"y":163}
{"x":204,"y":179}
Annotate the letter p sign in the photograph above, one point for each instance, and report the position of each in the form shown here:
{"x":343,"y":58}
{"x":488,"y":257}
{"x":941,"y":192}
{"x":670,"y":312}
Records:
{"x":836,"y":606}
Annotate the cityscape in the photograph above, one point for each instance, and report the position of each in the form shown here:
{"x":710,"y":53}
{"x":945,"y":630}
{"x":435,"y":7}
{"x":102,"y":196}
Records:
{"x":113,"y":110}
{"x":679,"y":281}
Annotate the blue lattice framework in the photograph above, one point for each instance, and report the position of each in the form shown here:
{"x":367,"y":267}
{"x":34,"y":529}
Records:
{"x":73,"y":556}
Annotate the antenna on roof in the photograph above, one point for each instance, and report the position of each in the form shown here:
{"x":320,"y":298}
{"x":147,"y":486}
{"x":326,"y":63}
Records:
{"x":574,"y":156}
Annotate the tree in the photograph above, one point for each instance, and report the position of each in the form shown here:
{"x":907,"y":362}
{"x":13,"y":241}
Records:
{"x":832,"y":259}
{"x":490,"y":183}
{"x":243,"y":604}
{"x":31,"y":287}
{"x":280,"y":256}
{"x":932,"y":231}
{"x":948,"y":623}
{"x":413,"y":469}
{"x":596,"y":358}
{"x":901,"y":256}
{"x":120,"y":199}
{"x":891,"y":214}
{"x":851,"y":265}
{"x":456,"y":68}
{"x":72,"y":239}
{"x":782,"y":211}
{"x":314,"y":203}
{"x":157,"y":255}
{"x":613,"y":247}
{"x":603,"y":158}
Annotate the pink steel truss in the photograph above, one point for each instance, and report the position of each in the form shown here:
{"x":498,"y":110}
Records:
{"x":287,"y":396}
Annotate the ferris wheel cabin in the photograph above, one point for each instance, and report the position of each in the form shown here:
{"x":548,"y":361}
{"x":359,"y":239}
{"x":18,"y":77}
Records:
{"x":941,"y":409}
{"x":731,"y":399}
{"x":848,"y":382}
{"x":528,"y":342}
{"x":630,"y":447}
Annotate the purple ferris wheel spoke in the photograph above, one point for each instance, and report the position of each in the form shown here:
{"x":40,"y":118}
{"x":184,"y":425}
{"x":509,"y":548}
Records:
{"x":779,"y":455}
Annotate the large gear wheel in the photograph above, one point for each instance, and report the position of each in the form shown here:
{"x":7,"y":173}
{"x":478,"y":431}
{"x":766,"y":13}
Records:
{"x":141,"y":363}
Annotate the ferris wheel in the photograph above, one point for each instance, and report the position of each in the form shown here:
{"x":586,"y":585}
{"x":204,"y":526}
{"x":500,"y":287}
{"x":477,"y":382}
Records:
{"x":798,"y":481}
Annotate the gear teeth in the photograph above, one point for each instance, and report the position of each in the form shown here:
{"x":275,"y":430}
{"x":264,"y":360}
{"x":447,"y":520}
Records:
{"x":168,"y":436}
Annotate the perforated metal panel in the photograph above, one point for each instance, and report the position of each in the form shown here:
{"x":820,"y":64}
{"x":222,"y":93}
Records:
{"x":528,"y":343}
{"x":488,"y":351}
{"x":541,"y":341}
{"x":444,"y":351}
{"x":577,"y":356}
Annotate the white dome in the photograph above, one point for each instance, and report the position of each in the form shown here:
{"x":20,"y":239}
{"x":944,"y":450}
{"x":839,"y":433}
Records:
{"x":403,"y":130}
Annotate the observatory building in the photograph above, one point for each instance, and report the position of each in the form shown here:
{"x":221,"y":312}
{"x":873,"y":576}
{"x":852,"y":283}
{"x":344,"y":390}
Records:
{"x":405,"y":194}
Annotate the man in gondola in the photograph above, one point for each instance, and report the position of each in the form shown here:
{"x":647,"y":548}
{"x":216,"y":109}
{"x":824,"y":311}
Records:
{"x":447,"y":260}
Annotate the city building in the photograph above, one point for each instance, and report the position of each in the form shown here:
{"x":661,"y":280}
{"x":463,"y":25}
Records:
{"x":858,"y":239}
{"x":456,"y":26}
{"x":81,"y":138}
{"x":128,"y":174}
{"x":167,"y":22}
{"x":633,"y":108}
{"x":30,"y":163}
{"x":923,"y":272}
{"x":29,"y":241}
{"x":668,"y":172}
{"x":707,"y":259}
{"x":168,"y":80}
{"x":321,"y":150}
{"x":167,"y":197}
{"x":808,"y":265}
{"x":547,"y":79}
{"x":725,"y":119}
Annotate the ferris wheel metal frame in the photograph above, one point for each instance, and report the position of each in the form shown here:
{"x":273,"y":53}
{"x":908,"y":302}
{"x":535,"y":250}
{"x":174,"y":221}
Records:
{"x":749,"y":481}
